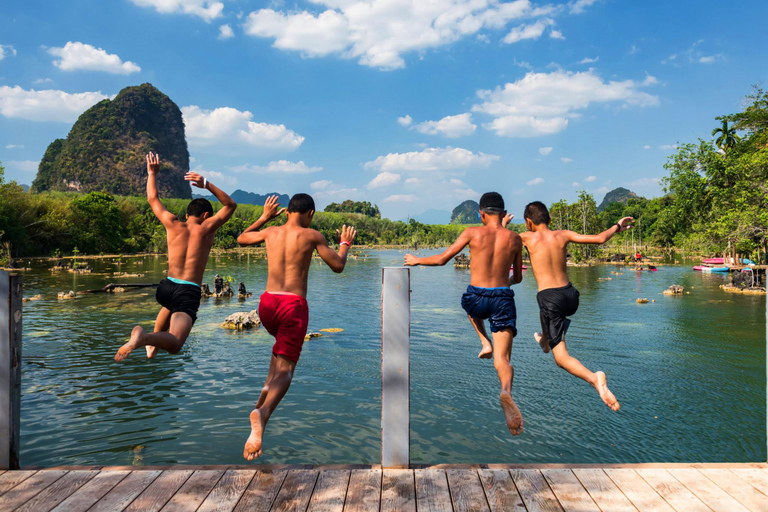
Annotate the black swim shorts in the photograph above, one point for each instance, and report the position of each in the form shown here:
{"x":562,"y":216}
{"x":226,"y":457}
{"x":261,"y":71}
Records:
{"x":555,"y":305}
{"x":179,"y":298}
{"x":494,"y":304}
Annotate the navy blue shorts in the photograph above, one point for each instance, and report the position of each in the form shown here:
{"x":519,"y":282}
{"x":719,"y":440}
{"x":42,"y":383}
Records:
{"x":179,"y":298}
{"x":494,"y":304}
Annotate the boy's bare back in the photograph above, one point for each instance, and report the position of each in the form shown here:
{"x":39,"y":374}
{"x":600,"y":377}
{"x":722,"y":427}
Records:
{"x":493,"y":250}
{"x":188,"y":248}
{"x":548,"y":257}
{"x":289,"y":254}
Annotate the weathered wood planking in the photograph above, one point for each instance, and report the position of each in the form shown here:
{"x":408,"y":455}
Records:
{"x":29,"y":488}
{"x":330,"y":491}
{"x":432,"y":494}
{"x":90,"y":493}
{"x":125,"y":492}
{"x":57,"y":491}
{"x":398,"y":492}
{"x":602,"y":489}
{"x":364,"y":492}
{"x":714,"y":497}
{"x":162,"y":489}
{"x":755,"y":477}
{"x":467,"y":492}
{"x":11,"y":479}
{"x":535,"y":491}
{"x":569,"y":491}
{"x":194,"y":491}
{"x":228,"y":491}
{"x":296,"y":491}
{"x":736,"y":487}
{"x":675,"y":493}
{"x":639,"y":492}
{"x":501,"y":491}
{"x":261,"y":492}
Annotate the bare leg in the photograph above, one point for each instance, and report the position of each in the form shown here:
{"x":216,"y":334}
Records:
{"x":172,"y":341}
{"x":162,"y":324}
{"x":479,"y":325}
{"x":502,"y":342}
{"x":277,"y":386}
{"x":574,"y":367}
{"x":270,"y":375}
{"x":541,"y":337}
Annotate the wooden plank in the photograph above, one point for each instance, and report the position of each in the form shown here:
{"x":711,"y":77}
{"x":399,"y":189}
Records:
{"x":398,"y":491}
{"x":330,"y":491}
{"x":642,"y":495}
{"x":467,"y":491}
{"x":228,"y":491}
{"x":432,"y":493}
{"x":90,"y":493}
{"x":395,"y":367}
{"x":125,"y":492}
{"x":194,"y":491}
{"x":261,"y":493}
{"x":157,"y":494}
{"x":675,"y":493}
{"x":11,"y":479}
{"x":29,"y":488}
{"x":755,"y":477}
{"x":10,"y":368}
{"x":603,"y":491}
{"x":500,"y":491}
{"x":57,"y":492}
{"x":364,"y":492}
{"x":738,"y":488}
{"x":713,"y":496}
{"x":535,"y":491}
{"x":569,"y":491}
{"x":296,"y":491}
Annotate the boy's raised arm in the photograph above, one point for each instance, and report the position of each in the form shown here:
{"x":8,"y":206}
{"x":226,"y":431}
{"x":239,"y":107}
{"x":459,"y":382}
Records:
{"x":153,"y":166}
{"x":228,"y":206}
{"x":337,"y":262}
{"x":253,"y":235}
{"x":623,"y":225}
{"x":517,"y":271}
{"x":438,"y":260}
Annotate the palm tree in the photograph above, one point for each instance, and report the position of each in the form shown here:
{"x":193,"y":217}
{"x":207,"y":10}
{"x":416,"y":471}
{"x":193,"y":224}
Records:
{"x":727,"y":138}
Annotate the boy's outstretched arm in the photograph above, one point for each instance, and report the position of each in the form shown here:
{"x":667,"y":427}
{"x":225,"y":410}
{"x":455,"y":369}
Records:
{"x":153,"y":166}
{"x":440,"y":259}
{"x":252,"y":235}
{"x":623,"y":225}
{"x":329,"y":256}
{"x":228,"y":206}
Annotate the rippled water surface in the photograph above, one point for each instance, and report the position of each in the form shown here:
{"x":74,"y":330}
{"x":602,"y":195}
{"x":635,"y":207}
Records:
{"x":689,"y":372}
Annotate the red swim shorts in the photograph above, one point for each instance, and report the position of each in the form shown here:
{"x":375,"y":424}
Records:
{"x":285,"y":317}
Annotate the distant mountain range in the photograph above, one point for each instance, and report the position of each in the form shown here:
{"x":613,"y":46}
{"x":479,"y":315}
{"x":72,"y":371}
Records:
{"x":617,"y":195}
{"x":243,"y":197}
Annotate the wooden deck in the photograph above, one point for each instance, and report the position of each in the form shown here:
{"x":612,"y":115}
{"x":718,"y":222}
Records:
{"x":607,"y":488}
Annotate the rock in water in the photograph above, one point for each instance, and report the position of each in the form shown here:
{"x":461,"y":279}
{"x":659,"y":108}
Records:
{"x":461,"y":261}
{"x":242,"y":320}
{"x":205,"y":291}
{"x":106,"y":146}
{"x":66,"y":295}
{"x":675,"y":289}
{"x":242,"y":293}
{"x":218,"y":285}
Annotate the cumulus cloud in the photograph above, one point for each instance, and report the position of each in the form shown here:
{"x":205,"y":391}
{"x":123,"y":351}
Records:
{"x":647,"y":146}
{"x":278,"y":166}
{"x":545,"y":150}
{"x":707,"y":59}
{"x":216,"y":176}
{"x":379,"y":32}
{"x":14,"y":146}
{"x":536,"y":181}
{"x":227,"y":125}
{"x":47,"y":105}
{"x":542,"y":103}
{"x":400,"y":198}
{"x":566,"y":160}
{"x":40,"y":81}
{"x":587,"y":60}
{"x":556,"y":34}
{"x":23,"y":165}
{"x":205,"y":9}
{"x":579,"y":6}
{"x":528,"y":31}
{"x":7,"y":49}
{"x":226,"y":32}
{"x":432,"y":159}
{"x":320,"y":185}
{"x":412,"y":181}
{"x":76,"y":56}
{"x":576,"y":184}
{"x":602,"y":190}
{"x":405,"y":121}
{"x":449,"y":126}
{"x":384,"y":179}
{"x":590,"y":179}
{"x":668,"y":147}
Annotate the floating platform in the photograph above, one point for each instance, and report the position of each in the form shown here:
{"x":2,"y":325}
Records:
{"x":485,"y":488}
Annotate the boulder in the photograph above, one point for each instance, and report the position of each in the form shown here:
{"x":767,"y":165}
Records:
{"x":66,"y":295}
{"x":675,"y":289}
{"x":242,"y":320}
{"x":461,"y":261}
{"x":34,"y":297}
{"x":311,"y":335}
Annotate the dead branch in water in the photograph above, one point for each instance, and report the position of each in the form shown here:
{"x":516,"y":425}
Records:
{"x":110,"y":287}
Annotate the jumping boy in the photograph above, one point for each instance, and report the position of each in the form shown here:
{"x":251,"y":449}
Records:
{"x":189,"y":244}
{"x":493,"y":250}
{"x":283,"y":306}
{"x":557,"y":297}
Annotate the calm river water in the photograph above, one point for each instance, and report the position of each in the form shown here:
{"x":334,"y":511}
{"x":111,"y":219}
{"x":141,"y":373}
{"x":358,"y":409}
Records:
{"x":690,"y":373}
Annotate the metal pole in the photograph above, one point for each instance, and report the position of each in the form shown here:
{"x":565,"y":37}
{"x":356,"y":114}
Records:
{"x":395,"y":367}
{"x":10,"y":368}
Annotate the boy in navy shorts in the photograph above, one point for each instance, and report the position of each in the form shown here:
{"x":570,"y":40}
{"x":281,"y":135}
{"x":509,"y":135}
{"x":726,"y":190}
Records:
{"x":493,"y":249}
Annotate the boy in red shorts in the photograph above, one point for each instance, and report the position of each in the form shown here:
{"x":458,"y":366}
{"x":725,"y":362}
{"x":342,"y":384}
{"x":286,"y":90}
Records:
{"x":283,"y":306}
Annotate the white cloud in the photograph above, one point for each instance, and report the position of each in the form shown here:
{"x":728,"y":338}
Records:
{"x":23,"y":165}
{"x":667,"y":147}
{"x":205,"y":9}
{"x":545,"y":150}
{"x":333,"y":191}
{"x":566,"y":160}
{"x":556,"y":34}
{"x":601,"y":190}
{"x":226,"y":32}
{"x":7,"y":49}
{"x":48,"y":105}
{"x":536,"y":181}
{"x":379,"y":32}
{"x":227,"y":125}
{"x":405,"y":121}
{"x":590,"y":179}
{"x":412,"y":181}
{"x":646,"y":147}
{"x":216,"y":176}
{"x":576,"y":184}
{"x":14,"y":146}
{"x":400,"y":198}
{"x":76,"y":56}
{"x":542,"y":103}
{"x":579,"y":6}
{"x":650,"y":80}
{"x":320,"y":185}
{"x":432,"y":159}
{"x":634,"y":50}
{"x":528,"y":31}
{"x":279,"y":166}
{"x":384,"y":179}
{"x":587,"y":60}
{"x":449,"y":126}
{"x":40,"y":81}
{"x":708,"y":59}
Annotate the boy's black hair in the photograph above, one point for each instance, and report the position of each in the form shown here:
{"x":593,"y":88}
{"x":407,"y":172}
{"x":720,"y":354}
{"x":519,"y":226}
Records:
{"x":197,"y":207}
{"x":492,"y":203}
{"x":301,"y":203}
{"x":537,"y":212}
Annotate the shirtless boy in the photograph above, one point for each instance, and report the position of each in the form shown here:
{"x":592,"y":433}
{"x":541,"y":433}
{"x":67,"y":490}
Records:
{"x":189,"y":244}
{"x":557,"y":297}
{"x":493,"y":250}
{"x":283,"y":306}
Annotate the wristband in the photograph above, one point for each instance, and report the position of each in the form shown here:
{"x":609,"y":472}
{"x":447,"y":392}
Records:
{"x":205,"y":182}
{"x":344,"y":242}
{"x":618,"y":226}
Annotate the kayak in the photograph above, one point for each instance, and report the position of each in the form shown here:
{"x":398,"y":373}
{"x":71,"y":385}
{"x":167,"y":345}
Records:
{"x":714,"y":270}
{"x":714,"y":261}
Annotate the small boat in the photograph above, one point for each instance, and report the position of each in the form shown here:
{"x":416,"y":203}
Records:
{"x":699,"y":268}
{"x":714,"y":261}
{"x":714,"y":270}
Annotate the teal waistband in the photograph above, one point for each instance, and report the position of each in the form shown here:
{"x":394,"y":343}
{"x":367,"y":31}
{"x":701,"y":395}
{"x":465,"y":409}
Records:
{"x":181,"y":281}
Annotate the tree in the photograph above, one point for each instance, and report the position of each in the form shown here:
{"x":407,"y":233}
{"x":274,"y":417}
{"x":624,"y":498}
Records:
{"x":349,"y":206}
{"x":728,"y":138}
{"x":95,"y":223}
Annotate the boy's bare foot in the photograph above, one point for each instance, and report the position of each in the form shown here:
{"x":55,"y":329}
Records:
{"x":151,"y":351}
{"x":541,"y":341}
{"x":511,"y":414}
{"x":129,"y":347}
{"x":253,"y":444}
{"x":487,"y":352}
{"x":605,"y":393}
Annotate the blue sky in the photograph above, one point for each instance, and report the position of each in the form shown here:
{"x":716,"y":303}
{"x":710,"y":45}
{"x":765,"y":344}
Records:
{"x":411,"y":105}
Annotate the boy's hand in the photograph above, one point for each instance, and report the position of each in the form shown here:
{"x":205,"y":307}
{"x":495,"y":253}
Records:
{"x":196,"y":179}
{"x":153,"y":163}
{"x":348,"y":234}
{"x":507,"y":219}
{"x":272,"y":208}
{"x":625,"y":224}
{"x":411,"y":260}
